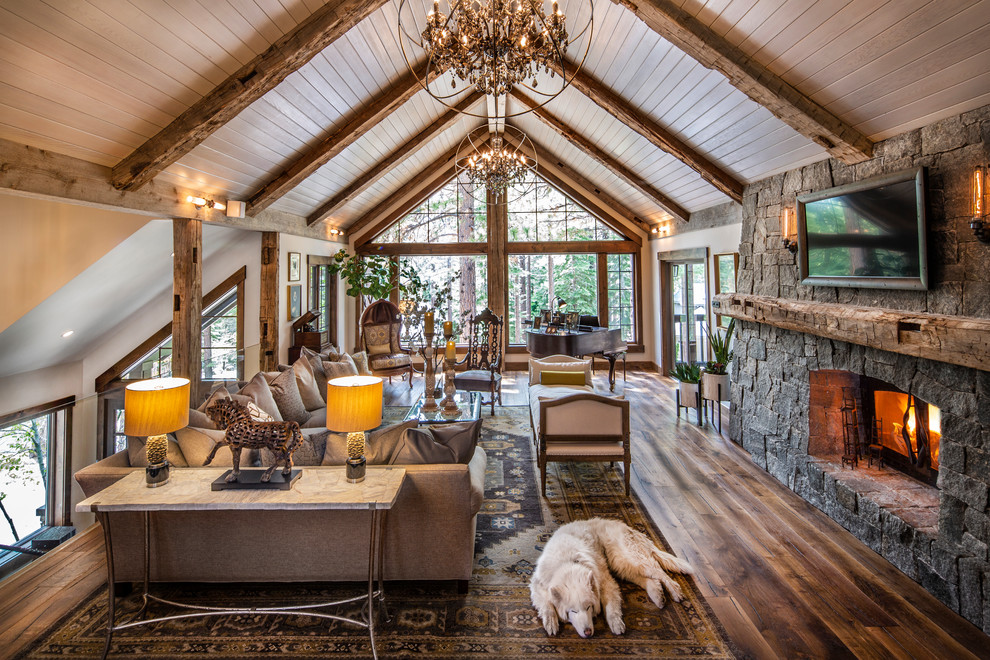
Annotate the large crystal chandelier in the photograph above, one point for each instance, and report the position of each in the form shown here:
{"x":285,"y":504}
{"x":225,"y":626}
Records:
{"x":494,"y":46}
{"x":492,"y":163}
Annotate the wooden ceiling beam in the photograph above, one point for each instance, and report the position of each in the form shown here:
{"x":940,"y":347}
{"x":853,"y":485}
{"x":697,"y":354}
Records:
{"x":239,"y":90}
{"x":789,"y":105}
{"x":660,"y":137}
{"x":384,"y":166}
{"x":329,"y":147}
{"x":608,"y":209}
{"x":393,"y":207}
{"x":597,"y":154}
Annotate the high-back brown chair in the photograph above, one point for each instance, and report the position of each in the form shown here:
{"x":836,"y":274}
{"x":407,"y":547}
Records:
{"x":484,"y":357}
{"x":381,"y":324}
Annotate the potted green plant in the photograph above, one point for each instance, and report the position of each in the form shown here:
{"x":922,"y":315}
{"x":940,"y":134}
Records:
{"x":717,"y":369}
{"x":688,"y":376}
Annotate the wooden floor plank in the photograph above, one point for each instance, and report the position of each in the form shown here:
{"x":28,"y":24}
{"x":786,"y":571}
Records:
{"x":782,"y":578}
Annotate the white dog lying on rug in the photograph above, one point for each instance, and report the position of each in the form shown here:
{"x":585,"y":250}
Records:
{"x":572,"y":581}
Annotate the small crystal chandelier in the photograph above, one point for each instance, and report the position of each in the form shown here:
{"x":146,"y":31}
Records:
{"x":495,"y":46}
{"x":492,"y":163}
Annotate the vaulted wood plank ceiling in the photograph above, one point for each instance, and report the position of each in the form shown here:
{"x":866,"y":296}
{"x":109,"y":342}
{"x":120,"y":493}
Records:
{"x":95,"y":79}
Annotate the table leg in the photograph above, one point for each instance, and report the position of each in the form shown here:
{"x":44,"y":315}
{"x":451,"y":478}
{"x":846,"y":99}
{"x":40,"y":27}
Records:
{"x":147,"y":564}
{"x":611,"y":372}
{"x":383,"y":516}
{"x":107,"y":541}
{"x":372,"y":555}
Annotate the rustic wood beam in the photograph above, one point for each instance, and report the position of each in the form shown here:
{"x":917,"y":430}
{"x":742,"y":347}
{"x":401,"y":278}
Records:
{"x":788,"y":104}
{"x":332,"y":145}
{"x":187,"y":306}
{"x":269,"y":316}
{"x":605,"y":207}
{"x":658,"y":136}
{"x":384,"y":166}
{"x":498,"y":258}
{"x":605,"y":160}
{"x":40,"y":174}
{"x":434,"y":175}
{"x":953,"y":339}
{"x":240,"y":89}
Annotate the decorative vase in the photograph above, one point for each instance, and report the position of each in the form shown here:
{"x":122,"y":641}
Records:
{"x":710,"y":384}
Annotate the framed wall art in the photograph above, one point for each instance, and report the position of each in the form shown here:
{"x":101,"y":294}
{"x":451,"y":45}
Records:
{"x":295,"y":266}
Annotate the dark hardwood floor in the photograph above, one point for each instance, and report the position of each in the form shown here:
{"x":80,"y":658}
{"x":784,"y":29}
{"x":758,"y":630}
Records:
{"x":783,"y":578}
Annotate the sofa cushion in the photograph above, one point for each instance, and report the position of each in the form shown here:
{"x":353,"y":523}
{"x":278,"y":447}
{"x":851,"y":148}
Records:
{"x":317,"y":420}
{"x":337,"y":369}
{"x":380,"y":445}
{"x":196,"y":445}
{"x":541,"y":392}
{"x":138,"y":457}
{"x":441,"y":443}
{"x":390,"y":361}
{"x":549,"y":377}
{"x":218,"y":392}
{"x":309,"y":388}
{"x":558,"y":363}
{"x":285,"y":391}
{"x":376,"y":338}
{"x":258,"y":391}
{"x":200,"y":420}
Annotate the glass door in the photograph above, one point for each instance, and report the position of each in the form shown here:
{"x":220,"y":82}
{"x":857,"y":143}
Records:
{"x":688,"y":311}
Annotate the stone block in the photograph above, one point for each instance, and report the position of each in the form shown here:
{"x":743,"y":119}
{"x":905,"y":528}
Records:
{"x":963,"y":488}
{"x":946,"y":298}
{"x":974,"y":546}
{"x":949,"y":400}
{"x":963,"y":431}
{"x":868,"y":510}
{"x":817,"y":176}
{"x":977,"y":523}
{"x":757,"y":348}
{"x":951,"y":521}
{"x":845,"y":496}
{"x":900,"y":556}
{"x":905,"y":145}
{"x":972,"y":572}
{"x":977,"y":464}
{"x":976,"y":299}
{"x":896,"y":530}
{"x":936,"y":585}
{"x":945,"y":561}
{"x":952,"y":456}
{"x":943,"y":136}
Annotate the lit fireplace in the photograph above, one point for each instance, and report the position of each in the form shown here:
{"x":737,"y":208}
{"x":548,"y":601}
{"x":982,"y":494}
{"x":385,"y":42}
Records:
{"x":897,"y":416}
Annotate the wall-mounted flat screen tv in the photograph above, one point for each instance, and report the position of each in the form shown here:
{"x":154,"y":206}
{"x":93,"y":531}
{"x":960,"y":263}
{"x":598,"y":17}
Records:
{"x":865,"y":234}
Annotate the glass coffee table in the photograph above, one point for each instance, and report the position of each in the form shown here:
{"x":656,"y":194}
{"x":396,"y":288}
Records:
{"x":469,"y":404}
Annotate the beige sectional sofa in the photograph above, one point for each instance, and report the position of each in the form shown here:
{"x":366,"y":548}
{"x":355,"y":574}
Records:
{"x":430,"y":531}
{"x":571,"y":421}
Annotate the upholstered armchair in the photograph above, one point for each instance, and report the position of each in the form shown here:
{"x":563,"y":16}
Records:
{"x":571,"y":422}
{"x":484,"y":358}
{"x":381,"y":324}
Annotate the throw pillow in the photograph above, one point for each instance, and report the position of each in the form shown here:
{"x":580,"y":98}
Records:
{"x":361,"y":362}
{"x":461,"y":438}
{"x":376,"y":338}
{"x":200,"y":420}
{"x":257,"y":414}
{"x":138,"y":457}
{"x":315,"y":361}
{"x":418,"y":448}
{"x":310,"y":452}
{"x":258,"y":391}
{"x":196,"y":445}
{"x":380,"y":444}
{"x":218,"y":392}
{"x":309,"y":388}
{"x":536,"y":367}
{"x":345,"y":367}
{"x":549,"y":377}
{"x":285,"y":391}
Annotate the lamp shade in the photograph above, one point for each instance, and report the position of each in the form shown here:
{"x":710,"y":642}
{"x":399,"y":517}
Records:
{"x":156,"y":406}
{"x":354,"y":403}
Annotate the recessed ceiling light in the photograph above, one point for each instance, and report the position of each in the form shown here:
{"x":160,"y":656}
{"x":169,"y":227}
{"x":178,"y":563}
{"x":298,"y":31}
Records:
{"x":67,"y":333}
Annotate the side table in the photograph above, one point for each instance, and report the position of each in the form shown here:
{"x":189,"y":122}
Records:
{"x":189,"y":490}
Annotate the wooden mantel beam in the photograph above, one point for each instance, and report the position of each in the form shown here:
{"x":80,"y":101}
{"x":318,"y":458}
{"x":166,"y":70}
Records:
{"x":788,"y":104}
{"x":660,"y":137}
{"x":604,"y":159}
{"x":363,"y":182}
{"x":953,"y":339}
{"x":240,"y":89}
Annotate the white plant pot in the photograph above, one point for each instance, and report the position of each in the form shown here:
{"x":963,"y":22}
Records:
{"x":710,"y":384}
{"x":688,"y":393}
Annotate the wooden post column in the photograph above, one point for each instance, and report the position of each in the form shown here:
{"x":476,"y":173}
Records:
{"x":187,"y":301}
{"x":498,"y":260}
{"x":269,"y":317}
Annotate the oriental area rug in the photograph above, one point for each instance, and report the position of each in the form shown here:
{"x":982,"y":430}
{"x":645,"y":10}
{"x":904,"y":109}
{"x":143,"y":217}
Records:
{"x":430,"y":620}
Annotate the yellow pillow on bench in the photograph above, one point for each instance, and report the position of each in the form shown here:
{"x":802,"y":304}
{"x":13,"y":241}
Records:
{"x":548,"y":377}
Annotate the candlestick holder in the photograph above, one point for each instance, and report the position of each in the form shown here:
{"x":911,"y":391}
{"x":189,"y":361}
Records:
{"x":429,"y":352}
{"x":449,"y":403}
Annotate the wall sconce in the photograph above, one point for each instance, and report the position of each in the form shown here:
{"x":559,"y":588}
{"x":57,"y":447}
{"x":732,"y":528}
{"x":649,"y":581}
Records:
{"x":979,"y":224}
{"x":662,"y":229}
{"x":788,"y":230}
{"x":336,"y":233}
{"x":200,"y":202}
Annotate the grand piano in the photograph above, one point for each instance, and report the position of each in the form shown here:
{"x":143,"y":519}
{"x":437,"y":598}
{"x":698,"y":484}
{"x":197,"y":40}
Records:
{"x":605,"y":342}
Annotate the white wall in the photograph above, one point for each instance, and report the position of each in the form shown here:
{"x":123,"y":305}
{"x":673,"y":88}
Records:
{"x":718,"y":240}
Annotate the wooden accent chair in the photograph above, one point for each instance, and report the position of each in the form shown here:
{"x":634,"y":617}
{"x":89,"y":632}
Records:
{"x":381,"y":324}
{"x":484,"y":357}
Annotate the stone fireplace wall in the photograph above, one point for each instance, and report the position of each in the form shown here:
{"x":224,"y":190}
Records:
{"x":771,"y":383}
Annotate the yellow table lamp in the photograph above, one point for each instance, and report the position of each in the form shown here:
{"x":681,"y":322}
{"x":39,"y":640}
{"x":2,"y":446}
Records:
{"x":153,"y":408}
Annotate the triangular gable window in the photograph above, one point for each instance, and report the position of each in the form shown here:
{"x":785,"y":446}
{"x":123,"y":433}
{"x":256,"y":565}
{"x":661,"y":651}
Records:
{"x":452,"y":214}
{"x":540,"y":212}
